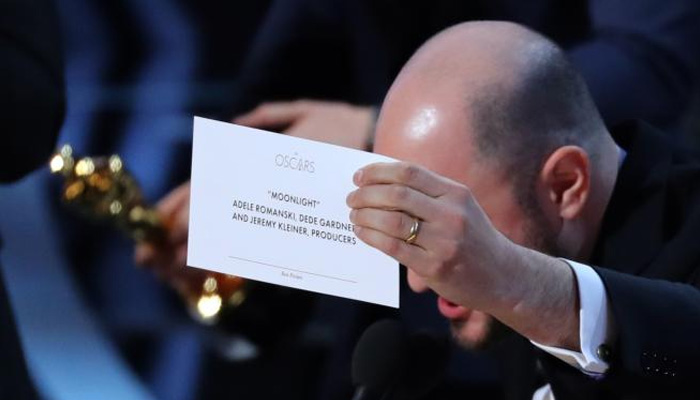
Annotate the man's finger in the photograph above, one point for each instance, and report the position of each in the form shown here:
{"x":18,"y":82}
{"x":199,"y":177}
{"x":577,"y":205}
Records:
{"x":404,"y":253}
{"x":174,"y":200}
{"x":411,"y":175}
{"x":179,"y":226}
{"x":180,"y":260}
{"x":393,"y":223}
{"x":279,"y":114}
{"x":144,"y":254}
{"x":395,"y":197}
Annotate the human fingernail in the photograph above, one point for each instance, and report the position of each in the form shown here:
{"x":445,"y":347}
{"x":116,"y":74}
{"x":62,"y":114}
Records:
{"x":348,"y":199}
{"x":357,"y":178}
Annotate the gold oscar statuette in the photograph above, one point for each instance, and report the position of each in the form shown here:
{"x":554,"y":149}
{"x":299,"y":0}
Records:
{"x":102,"y":189}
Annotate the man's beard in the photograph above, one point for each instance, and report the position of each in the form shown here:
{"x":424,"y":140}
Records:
{"x":495,"y":330}
{"x":539,"y":238}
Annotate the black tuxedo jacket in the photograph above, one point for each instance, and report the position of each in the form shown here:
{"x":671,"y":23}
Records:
{"x":31,"y":111}
{"x":648,"y":256}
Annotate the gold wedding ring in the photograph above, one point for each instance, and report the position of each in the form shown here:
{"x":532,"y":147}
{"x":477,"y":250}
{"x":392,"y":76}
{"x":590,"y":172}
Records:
{"x":413,"y":233}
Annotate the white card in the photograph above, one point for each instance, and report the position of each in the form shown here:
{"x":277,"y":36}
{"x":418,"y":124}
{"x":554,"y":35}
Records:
{"x":271,"y":208}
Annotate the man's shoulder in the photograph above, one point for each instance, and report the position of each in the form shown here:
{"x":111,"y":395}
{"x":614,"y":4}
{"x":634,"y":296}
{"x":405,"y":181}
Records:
{"x":654,"y":211}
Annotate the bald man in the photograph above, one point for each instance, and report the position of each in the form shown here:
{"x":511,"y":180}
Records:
{"x":516,"y":206}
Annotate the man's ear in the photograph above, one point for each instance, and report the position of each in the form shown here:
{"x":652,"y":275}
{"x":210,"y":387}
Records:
{"x":566,"y":178}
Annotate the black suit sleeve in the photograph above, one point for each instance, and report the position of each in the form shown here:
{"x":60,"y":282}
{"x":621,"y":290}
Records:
{"x":31,"y":85}
{"x":658,"y":325}
{"x":657,"y":351}
{"x":300,"y":51}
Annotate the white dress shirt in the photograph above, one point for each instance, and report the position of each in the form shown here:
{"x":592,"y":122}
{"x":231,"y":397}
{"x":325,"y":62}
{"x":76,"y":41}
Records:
{"x":596,"y":328}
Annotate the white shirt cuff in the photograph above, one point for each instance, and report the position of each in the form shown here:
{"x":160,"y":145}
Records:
{"x":596,"y":325}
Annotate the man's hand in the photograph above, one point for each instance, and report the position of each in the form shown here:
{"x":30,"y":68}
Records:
{"x":168,"y":259}
{"x":456,"y":247}
{"x":460,"y":255}
{"x":331,"y":122}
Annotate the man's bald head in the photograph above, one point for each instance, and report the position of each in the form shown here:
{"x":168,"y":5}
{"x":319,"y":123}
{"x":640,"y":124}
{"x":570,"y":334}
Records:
{"x":515,"y":92}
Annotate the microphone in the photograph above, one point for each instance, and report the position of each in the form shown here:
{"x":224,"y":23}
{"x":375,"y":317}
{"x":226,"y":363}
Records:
{"x":388,"y":363}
